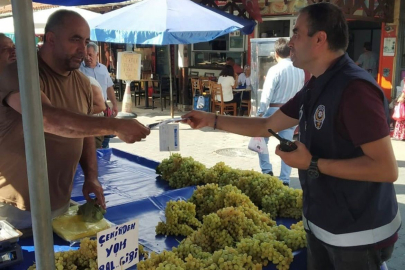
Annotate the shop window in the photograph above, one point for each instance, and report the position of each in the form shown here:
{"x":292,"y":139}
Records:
{"x":216,"y":59}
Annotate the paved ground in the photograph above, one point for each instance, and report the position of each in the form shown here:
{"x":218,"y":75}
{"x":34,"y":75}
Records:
{"x":209,"y":147}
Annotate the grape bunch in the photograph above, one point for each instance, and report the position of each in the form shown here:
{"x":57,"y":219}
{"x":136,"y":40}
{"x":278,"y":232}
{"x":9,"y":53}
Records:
{"x":180,"y":219}
{"x":286,"y":202}
{"x":181,"y":172}
{"x":84,"y":258}
{"x":265,"y":191}
{"x":210,"y":198}
{"x":252,"y":252}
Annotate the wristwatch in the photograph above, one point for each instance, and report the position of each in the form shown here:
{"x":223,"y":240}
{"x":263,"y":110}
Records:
{"x":313,"y":171}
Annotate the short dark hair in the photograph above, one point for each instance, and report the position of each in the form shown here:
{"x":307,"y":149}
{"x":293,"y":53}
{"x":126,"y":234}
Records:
{"x":368,"y":46}
{"x":330,"y":19}
{"x":227,"y":71}
{"x":230,"y":59}
{"x":281,"y":48}
{"x":57,"y":19}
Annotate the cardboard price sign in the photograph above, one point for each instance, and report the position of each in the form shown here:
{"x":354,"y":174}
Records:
{"x":169,"y":137}
{"x":117,"y":247}
{"x":129,"y":66}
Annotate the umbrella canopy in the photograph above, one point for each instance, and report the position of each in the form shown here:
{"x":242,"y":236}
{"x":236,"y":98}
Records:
{"x":162,"y":22}
{"x":67,"y":2}
{"x":41,"y":17}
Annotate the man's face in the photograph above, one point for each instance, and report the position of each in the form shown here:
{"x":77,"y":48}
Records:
{"x":91,"y":57}
{"x":69,"y":42}
{"x":247,"y":71}
{"x":7,"y":51}
{"x":301,"y":44}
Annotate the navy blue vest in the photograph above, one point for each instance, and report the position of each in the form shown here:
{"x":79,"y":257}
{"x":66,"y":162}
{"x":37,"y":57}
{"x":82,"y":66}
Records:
{"x":341,"y":212}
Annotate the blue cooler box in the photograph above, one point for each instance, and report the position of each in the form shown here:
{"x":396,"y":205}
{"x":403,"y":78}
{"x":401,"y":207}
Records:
{"x":207,"y":102}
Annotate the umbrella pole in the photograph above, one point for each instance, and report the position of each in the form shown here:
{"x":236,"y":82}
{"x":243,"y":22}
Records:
{"x":33,"y":134}
{"x":171,"y":83}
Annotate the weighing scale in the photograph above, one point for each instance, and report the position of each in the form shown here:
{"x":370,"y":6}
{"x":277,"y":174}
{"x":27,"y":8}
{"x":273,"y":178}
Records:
{"x":10,"y":251}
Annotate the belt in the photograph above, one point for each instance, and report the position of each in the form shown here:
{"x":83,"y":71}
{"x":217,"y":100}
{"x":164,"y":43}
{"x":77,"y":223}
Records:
{"x":276,"y":104}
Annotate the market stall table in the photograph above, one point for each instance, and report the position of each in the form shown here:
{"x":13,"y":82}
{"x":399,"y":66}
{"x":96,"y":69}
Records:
{"x":134,"y":191}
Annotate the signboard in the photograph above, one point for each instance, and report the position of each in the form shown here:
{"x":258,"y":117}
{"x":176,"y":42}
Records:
{"x":129,"y":66}
{"x":387,"y":58}
{"x":117,"y":247}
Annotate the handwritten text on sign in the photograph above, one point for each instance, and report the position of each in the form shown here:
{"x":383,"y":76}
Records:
{"x":129,"y":66}
{"x":117,"y":247}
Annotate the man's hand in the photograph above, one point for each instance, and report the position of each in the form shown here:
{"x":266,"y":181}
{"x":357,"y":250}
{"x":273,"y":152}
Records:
{"x":299,"y":158}
{"x":93,"y":186}
{"x":199,"y":119}
{"x":130,"y":130}
{"x":114,"y":110}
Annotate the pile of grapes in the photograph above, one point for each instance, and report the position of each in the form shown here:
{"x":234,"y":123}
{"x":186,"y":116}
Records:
{"x":85,"y":258}
{"x":234,"y":233}
{"x":265,"y":191}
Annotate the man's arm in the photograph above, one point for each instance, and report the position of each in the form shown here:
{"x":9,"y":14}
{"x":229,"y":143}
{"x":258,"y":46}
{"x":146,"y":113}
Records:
{"x":66,"y":123}
{"x":247,"y":126}
{"x":88,"y":162}
{"x":111,"y":97}
{"x":98,"y":101}
{"x":377,"y":165}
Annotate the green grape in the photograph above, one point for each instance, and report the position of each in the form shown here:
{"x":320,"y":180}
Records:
{"x":180,"y":219}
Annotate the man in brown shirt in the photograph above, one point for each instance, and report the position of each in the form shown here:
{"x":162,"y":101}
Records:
{"x":66,"y":101}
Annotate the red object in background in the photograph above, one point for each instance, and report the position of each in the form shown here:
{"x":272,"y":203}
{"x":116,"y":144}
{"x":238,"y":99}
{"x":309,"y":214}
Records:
{"x":252,"y":7}
{"x":386,"y":66}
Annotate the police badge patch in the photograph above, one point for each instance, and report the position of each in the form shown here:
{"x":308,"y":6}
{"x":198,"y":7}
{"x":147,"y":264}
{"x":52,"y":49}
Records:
{"x":319,"y":116}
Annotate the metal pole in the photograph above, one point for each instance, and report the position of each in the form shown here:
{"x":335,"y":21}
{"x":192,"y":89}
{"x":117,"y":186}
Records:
{"x":33,"y":133}
{"x":171,"y":83}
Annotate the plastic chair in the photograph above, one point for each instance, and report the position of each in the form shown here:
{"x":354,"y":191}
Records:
{"x":216,"y":90}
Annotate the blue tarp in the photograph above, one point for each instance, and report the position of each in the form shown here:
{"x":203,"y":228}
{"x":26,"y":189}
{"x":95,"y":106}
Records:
{"x":134,"y":191}
{"x":164,"y":22}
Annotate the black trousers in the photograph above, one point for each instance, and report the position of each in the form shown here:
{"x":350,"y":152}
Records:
{"x":325,"y":257}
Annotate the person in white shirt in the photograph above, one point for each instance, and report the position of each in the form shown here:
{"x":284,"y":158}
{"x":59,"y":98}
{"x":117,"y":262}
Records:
{"x":244,"y":78}
{"x":368,"y":60}
{"x":227,"y":81}
{"x":282,"y":82}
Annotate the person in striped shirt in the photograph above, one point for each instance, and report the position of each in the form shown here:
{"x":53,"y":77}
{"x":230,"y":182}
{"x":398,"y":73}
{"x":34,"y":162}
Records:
{"x":282,"y":82}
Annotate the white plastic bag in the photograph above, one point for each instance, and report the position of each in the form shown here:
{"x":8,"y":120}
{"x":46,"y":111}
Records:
{"x":200,"y":102}
{"x":257,"y":144}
